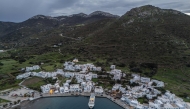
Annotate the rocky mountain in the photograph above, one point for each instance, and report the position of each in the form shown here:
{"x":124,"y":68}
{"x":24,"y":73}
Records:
{"x":4,"y":26}
{"x":41,"y":23}
{"x":144,"y":33}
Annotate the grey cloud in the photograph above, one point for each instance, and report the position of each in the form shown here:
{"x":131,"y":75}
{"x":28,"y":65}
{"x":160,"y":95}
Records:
{"x":20,"y":10}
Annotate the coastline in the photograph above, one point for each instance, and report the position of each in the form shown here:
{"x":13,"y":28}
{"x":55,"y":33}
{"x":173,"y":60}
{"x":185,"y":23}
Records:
{"x":117,"y":102}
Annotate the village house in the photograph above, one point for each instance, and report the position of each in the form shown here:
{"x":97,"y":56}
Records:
{"x":61,"y":89}
{"x":22,"y":76}
{"x":158,"y":83}
{"x":75,"y":88}
{"x":122,"y":89}
{"x":35,"y":67}
{"x":98,"y":90}
{"x":46,"y":88}
{"x":88,"y":77}
{"x":69,"y":74}
{"x":117,"y":76}
{"x":66,"y":89}
{"x":112,"y":67}
{"x":87,"y":86}
{"x":116,"y":87}
{"x":145,"y":80}
{"x":93,"y":75}
{"x":136,"y":78}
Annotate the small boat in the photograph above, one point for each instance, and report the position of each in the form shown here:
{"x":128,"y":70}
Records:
{"x":91,"y":102}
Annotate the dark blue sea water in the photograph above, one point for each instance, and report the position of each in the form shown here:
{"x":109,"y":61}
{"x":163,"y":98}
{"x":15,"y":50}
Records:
{"x":71,"y":103}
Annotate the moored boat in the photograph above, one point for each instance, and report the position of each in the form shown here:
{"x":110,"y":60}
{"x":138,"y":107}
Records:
{"x":91,"y":102}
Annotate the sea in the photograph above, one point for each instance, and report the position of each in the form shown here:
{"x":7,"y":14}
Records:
{"x":79,"y":102}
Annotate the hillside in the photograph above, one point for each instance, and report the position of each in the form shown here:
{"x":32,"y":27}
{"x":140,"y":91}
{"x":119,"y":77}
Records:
{"x":11,"y":33}
{"x":143,"y":34}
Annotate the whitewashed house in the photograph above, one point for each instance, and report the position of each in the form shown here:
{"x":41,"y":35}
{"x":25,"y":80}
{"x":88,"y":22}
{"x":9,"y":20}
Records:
{"x":66,"y":84}
{"x":115,"y":71}
{"x":88,"y":77}
{"x":145,"y":80}
{"x":69,"y":74}
{"x":46,"y":88}
{"x":117,"y":76}
{"x":122,"y":89}
{"x":79,"y":80}
{"x":136,"y":78}
{"x":93,"y":75}
{"x":83,"y":84}
{"x":75,"y":88}
{"x":66,"y":89}
{"x":24,"y":75}
{"x":112,"y":67}
{"x":116,"y":87}
{"x":158,"y":83}
{"x":98,"y":90}
{"x":35,"y":67}
{"x":88,"y":86}
{"x":68,"y":81}
{"x":61,"y":89}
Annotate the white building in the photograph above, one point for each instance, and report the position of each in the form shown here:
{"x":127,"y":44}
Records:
{"x":69,"y":74}
{"x":87,"y":86}
{"x":46,"y":88}
{"x":75,"y":88}
{"x":112,"y":67}
{"x":61,"y":89}
{"x":122,"y":89}
{"x":158,"y":83}
{"x":116,"y":87}
{"x":88,"y":77}
{"x":66,"y":89}
{"x":98,"y":90}
{"x":145,"y":80}
{"x":136,"y":78}
{"x":24,"y":75}
{"x":35,"y":67}
{"x":117,"y":76}
{"x":93,"y":75}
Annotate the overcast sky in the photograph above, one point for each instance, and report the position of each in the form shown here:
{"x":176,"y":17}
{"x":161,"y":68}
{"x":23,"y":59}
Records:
{"x":20,"y":10}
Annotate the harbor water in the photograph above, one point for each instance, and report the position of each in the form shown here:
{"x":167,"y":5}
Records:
{"x":70,"y":103}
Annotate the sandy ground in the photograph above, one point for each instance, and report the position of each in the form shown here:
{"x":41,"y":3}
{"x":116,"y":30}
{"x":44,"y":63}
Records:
{"x":18,"y":92}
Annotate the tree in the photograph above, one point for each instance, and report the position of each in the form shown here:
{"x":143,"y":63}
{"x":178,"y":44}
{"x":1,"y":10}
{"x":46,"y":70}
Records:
{"x":1,"y":64}
{"x":132,"y":64}
{"x":119,"y":81}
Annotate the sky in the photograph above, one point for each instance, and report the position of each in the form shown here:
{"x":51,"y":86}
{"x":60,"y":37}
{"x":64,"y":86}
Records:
{"x":21,"y":10}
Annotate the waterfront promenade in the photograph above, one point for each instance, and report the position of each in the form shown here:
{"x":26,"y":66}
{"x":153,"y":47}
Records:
{"x":117,"y":101}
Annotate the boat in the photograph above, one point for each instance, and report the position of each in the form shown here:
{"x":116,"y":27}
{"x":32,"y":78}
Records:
{"x":91,"y":102}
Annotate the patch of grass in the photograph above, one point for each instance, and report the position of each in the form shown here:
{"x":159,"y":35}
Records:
{"x":176,"y":80}
{"x":61,"y":79}
{"x":11,"y":84}
{"x":95,"y":80}
{"x":36,"y":86}
{"x":3,"y":100}
{"x":31,"y":81}
{"x":9,"y":66}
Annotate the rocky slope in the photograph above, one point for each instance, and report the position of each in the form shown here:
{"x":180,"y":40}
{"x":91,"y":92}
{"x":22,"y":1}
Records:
{"x":11,"y":32}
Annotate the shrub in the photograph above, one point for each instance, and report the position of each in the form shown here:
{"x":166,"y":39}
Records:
{"x":1,"y":64}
